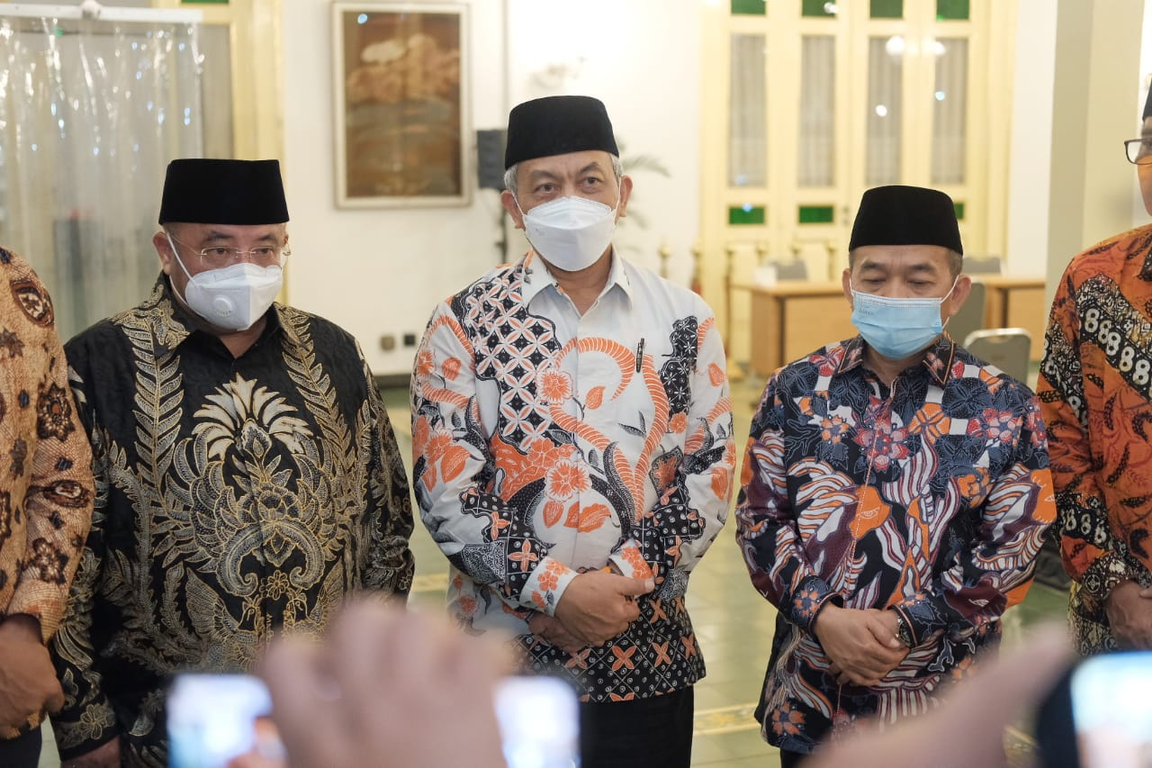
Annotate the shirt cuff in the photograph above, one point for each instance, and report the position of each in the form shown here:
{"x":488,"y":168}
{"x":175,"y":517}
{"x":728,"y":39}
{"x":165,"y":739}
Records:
{"x":546,"y":585}
{"x":1104,"y":575}
{"x":630,"y":561}
{"x":45,"y":603}
{"x":812,"y":595}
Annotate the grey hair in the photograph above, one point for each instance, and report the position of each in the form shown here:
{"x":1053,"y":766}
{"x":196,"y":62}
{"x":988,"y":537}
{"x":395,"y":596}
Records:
{"x":510,"y":175}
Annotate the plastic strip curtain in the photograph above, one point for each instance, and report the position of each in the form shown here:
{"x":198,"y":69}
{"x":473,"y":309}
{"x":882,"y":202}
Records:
{"x":90,"y":114}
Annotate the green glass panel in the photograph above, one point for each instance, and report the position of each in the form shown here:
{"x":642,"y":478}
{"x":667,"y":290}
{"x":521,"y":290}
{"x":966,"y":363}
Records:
{"x":746,"y":214}
{"x":815,"y":214}
{"x":815,"y":8}
{"x":749,"y":7}
{"x":887,"y":9}
{"x":952,"y":10}
{"x":959,"y":211}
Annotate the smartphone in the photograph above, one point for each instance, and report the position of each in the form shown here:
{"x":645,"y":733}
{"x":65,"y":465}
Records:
{"x":213,"y":719}
{"x":1099,"y":715}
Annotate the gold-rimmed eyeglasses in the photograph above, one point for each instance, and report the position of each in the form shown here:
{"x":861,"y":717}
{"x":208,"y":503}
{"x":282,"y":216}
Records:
{"x":225,"y":255}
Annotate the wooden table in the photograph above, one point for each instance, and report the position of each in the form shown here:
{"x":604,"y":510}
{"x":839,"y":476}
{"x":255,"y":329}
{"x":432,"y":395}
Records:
{"x":791,"y":319}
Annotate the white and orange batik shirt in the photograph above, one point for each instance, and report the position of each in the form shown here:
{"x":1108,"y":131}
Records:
{"x":547,"y":443}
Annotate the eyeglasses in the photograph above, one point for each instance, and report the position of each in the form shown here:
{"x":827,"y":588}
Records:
{"x":1139,"y":151}
{"x":224,"y":255}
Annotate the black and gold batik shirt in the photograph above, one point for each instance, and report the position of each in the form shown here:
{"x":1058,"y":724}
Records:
{"x":235,"y":497}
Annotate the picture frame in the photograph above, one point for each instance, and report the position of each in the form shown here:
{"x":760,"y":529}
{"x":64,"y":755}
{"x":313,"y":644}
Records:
{"x":402,"y":109}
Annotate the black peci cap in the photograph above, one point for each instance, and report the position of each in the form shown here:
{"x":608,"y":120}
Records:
{"x":557,"y":125}
{"x":899,"y":215}
{"x":210,"y":191}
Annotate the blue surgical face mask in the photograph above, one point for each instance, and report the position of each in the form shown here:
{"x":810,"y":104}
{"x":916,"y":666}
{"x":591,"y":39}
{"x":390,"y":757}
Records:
{"x":897,"y":328}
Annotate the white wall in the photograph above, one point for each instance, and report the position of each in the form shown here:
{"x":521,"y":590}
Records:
{"x":1031,"y":144}
{"x":381,"y":271}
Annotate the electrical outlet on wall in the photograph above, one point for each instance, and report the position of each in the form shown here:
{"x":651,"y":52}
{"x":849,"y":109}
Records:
{"x":409,"y":339}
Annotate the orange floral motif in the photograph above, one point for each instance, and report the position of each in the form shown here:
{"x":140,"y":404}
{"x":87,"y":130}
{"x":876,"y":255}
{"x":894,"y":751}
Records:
{"x":566,"y":479}
{"x":424,"y":363}
{"x":439,"y":441}
{"x":661,"y":651}
{"x":664,"y":471}
{"x":721,"y":478}
{"x":452,"y":368}
{"x":626,"y":697}
{"x":786,"y":720}
{"x":548,"y":580}
{"x":554,"y":386}
{"x":538,"y":599}
{"x":623,"y":658}
{"x":689,"y":645}
{"x":658,"y":613}
{"x":832,"y":428}
{"x":525,"y":557}
{"x":467,"y":605}
{"x":678,"y":423}
{"x":595,"y":398}
{"x":421,"y":431}
{"x":498,"y":524}
{"x":716,"y":374}
{"x":455,"y":459}
{"x":639,"y":565}
{"x":587,"y":519}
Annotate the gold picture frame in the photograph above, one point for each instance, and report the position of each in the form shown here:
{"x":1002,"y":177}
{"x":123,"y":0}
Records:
{"x":402,"y":105}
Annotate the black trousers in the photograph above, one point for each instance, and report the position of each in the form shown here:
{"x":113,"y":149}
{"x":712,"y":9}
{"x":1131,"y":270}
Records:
{"x":792,"y":759}
{"x":642,"y":733}
{"x":22,"y":751}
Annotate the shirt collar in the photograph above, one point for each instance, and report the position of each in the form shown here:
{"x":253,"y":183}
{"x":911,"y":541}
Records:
{"x":536,"y":276}
{"x":172,"y":323}
{"x":937,"y":360}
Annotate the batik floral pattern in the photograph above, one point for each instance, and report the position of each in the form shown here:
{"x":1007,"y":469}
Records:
{"x":930,"y":496}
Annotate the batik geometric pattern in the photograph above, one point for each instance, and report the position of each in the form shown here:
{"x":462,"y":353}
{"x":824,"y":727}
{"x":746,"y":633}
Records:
{"x":547,"y":443}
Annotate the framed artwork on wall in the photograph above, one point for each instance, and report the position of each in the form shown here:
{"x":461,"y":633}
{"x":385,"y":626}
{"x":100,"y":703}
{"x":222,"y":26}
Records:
{"x":402,"y":109}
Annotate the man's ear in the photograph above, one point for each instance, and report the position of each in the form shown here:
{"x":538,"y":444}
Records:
{"x":959,"y":295}
{"x":625,"y":196}
{"x":846,"y":284}
{"x":508,"y":200}
{"x":164,"y":251}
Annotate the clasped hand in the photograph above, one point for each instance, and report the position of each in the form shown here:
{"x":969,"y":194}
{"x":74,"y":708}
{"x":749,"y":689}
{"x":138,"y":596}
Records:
{"x":861,"y":643}
{"x":596,"y":607}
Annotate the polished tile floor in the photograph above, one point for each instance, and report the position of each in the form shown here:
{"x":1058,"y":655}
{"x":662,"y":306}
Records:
{"x":733,"y":622}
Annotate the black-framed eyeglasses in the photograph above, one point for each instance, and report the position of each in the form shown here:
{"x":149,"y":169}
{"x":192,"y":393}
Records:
{"x":226,"y":255}
{"x":1139,"y":151}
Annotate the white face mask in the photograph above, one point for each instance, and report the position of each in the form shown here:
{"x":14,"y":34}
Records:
{"x":571,"y":233}
{"x":232,"y":298}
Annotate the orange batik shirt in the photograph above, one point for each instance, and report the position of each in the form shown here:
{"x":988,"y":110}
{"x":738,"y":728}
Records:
{"x":1096,"y":394}
{"x":547,"y":443}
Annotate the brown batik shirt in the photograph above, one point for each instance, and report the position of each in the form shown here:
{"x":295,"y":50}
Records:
{"x":46,"y":488}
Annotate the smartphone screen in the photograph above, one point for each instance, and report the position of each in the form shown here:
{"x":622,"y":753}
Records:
{"x":213,"y":719}
{"x":1100,"y":714}
{"x":539,"y":722}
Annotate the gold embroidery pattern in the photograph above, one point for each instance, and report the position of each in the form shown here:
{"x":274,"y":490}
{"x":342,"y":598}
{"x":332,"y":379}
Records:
{"x":254,"y":518}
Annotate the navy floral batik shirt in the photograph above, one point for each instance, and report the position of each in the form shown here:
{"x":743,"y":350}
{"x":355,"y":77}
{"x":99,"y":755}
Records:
{"x":929,"y":497}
